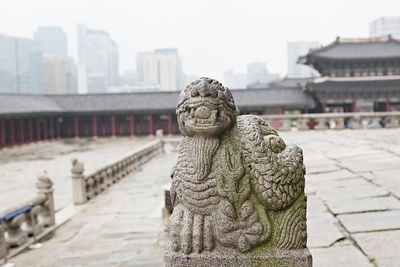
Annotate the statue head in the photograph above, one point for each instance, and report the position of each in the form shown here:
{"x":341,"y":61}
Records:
{"x":205,"y":108}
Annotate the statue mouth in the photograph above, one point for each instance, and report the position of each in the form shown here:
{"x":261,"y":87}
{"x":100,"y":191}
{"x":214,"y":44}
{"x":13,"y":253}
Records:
{"x":203,"y":117}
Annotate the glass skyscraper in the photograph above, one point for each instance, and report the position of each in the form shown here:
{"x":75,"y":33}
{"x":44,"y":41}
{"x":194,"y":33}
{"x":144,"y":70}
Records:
{"x":21,"y":66}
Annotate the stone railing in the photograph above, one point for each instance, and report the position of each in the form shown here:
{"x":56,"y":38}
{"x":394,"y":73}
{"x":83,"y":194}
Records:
{"x":25,"y":224}
{"x":319,"y":121}
{"x":86,"y":187}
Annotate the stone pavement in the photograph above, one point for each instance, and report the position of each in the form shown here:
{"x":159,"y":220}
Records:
{"x":19,"y":166}
{"x":353,"y":187}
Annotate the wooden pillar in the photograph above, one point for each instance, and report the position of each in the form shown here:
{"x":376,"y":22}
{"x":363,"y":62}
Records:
{"x":76,"y":127}
{"x":45,"y":130}
{"x":132,"y":124}
{"x":12,"y":132}
{"x":94,"y":126}
{"x":30,"y":130}
{"x":51,"y":128}
{"x":113,"y":126}
{"x":353,"y":106}
{"x":21,"y":131}
{"x":323,"y":107}
{"x":169,"y":125}
{"x":58,"y":128}
{"x":388,"y":107}
{"x":38,"y":130}
{"x":151,"y":126}
{"x":2,"y":134}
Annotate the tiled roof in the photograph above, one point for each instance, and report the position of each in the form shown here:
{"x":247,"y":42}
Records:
{"x":349,"y":49}
{"x":144,"y":101}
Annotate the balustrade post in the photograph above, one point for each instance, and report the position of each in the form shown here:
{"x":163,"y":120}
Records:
{"x":44,"y":187}
{"x":16,"y":236}
{"x":3,"y":244}
{"x":78,"y":182}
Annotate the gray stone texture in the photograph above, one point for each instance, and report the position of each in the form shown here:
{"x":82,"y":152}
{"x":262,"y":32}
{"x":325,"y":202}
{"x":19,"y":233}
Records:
{"x":237,"y":188}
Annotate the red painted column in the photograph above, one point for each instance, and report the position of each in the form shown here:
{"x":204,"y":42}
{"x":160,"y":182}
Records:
{"x":45,"y":131}
{"x":2,"y":134}
{"x":132,"y":125}
{"x":113,"y":126}
{"x":21,"y":131}
{"x":151,"y":126}
{"x":12,"y":132}
{"x":387,"y":106}
{"x":169,"y":125}
{"x":323,"y":107}
{"x":58,"y":128}
{"x":353,"y":106}
{"x":30,"y":130}
{"x":94,"y":125}
{"x":38,"y":129}
{"x":76,"y":127}
{"x":52,"y":129}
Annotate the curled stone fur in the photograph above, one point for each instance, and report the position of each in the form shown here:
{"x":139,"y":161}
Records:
{"x":236,"y":184}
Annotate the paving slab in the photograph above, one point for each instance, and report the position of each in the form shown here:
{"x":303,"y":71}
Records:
{"x":341,"y":206}
{"x":371,"y":221}
{"x":384,"y":247}
{"x":339,"y":256}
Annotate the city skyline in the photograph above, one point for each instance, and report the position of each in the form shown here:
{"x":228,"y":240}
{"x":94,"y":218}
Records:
{"x":208,"y":46}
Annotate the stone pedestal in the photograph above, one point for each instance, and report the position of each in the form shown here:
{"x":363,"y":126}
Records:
{"x":290,"y":258}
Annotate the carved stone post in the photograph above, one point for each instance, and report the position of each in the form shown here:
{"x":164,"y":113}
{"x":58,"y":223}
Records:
{"x":44,"y":186}
{"x":78,"y":182}
{"x":237,"y":189}
{"x":16,"y":236}
{"x":3,"y":244}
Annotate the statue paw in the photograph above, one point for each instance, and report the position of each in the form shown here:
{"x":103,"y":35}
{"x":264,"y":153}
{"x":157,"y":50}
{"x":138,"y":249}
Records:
{"x":241,"y":230}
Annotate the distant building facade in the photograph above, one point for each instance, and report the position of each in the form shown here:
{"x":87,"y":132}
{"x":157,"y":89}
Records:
{"x":235,"y":80}
{"x":294,"y":51}
{"x":98,"y":61}
{"x":59,"y":72}
{"x":385,"y":26}
{"x":21,"y":66}
{"x":257,"y":73}
{"x":163,"y":67}
{"x":357,"y":75}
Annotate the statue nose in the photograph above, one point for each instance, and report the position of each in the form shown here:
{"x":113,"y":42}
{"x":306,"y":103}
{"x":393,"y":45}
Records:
{"x":203,"y":112}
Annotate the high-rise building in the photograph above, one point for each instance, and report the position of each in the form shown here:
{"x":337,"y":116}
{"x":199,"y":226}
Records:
{"x":98,"y":64}
{"x":59,"y":70}
{"x":21,"y":66}
{"x":163,"y":67}
{"x":52,"y":41}
{"x":385,"y":26}
{"x":234,"y":80}
{"x":257,"y":73}
{"x":296,"y":50}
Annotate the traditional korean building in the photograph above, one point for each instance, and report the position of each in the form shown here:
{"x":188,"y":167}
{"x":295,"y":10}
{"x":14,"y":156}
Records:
{"x":31,"y":118}
{"x":356,"y":75}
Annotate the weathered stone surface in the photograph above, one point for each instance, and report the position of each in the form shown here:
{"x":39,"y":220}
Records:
{"x":382,"y":246}
{"x":339,"y":256}
{"x":389,"y":179}
{"x":371,"y":221}
{"x":237,"y":188}
{"x":363,"y":204}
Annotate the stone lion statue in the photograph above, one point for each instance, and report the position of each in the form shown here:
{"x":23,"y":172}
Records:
{"x":236,"y":185}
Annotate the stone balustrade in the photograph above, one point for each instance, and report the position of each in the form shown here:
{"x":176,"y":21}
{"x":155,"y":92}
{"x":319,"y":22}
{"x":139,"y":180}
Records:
{"x":319,"y":121}
{"x":28,"y":222}
{"x":86,"y":187}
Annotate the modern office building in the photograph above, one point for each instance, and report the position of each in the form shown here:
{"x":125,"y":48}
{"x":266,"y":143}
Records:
{"x":59,"y":72}
{"x":163,"y":67}
{"x":21,"y":66}
{"x":357,"y":75}
{"x":385,"y":26}
{"x":52,"y":41}
{"x":257,"y":73}
{"x":234,"y":80}
{"x":98,"y":61}
{"x":294,"y":51}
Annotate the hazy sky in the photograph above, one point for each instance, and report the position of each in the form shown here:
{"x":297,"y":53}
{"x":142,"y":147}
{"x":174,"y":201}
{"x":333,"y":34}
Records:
{"x":211,"y":35}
